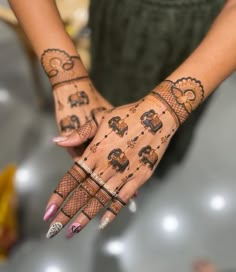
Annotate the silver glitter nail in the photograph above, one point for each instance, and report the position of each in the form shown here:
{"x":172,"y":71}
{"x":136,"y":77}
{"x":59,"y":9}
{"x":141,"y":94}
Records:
{"x":104,"y":223}
{"x":132,"y":205}
{"x":54,"y":229}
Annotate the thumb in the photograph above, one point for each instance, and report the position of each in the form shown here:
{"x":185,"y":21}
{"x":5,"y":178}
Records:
{"x":79,"y":136}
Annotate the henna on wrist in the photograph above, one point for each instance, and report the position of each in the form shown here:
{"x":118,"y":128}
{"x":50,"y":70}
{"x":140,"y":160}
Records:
{"x":181,"y":97}
{"x":61,"y":68}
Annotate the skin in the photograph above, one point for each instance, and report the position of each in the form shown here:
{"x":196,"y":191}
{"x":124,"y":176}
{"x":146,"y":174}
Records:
{"x":210,"y":64}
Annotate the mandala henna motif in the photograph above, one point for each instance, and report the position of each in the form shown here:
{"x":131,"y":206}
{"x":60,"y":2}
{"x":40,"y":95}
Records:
{"x":77,"y":99}
{"x":151,"y":120}
{"x":118,"y":125}
{"x":180,"y":97}
{"x":118,"y":160}
{"x":61,"y":67}
{"x":148,"y":156}
{"x":188,"y":92}
{"x":69,"y":123}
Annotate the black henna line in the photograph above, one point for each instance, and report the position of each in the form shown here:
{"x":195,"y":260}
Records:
{"x":112,"y":211}
{"x":58,"y":193}
{"x":79,"y":182}
{"x":182,"y":96}
{"x":87,"y":215}
{"x":87,"y":173}
{"x":66,"y":214}
{"x":120,"y":200}
{"x":61,"y":67}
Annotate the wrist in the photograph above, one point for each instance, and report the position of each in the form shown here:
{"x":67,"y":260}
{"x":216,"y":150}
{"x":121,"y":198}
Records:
{"x":180,"y":97}
{"x":61,"y":68}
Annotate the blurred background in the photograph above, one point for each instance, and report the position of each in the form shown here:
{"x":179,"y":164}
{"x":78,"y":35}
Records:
{"x":186,"y":216}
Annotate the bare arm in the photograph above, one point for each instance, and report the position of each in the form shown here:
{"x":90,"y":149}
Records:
{"x":43,"y":25}
{"x":215,"y":58}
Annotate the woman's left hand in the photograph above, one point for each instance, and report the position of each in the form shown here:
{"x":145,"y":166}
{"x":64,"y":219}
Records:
{"x":129,"y":143}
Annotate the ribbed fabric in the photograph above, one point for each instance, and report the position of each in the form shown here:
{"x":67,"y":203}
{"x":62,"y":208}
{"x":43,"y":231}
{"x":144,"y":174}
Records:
{"x":137,"y":43}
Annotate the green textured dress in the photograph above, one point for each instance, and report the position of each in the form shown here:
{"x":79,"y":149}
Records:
{"x":137,"y":43}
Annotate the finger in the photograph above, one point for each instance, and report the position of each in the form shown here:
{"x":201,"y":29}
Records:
{"x":69,"y":182}
{"x":100,"y":200}
{"x":79,"y":136}
{"x":77,"y":200}
{"x":118,"y":203}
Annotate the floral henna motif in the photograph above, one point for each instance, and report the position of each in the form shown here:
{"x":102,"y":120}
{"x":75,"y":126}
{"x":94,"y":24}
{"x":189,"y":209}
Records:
{"x":181,"y":97}
{"x":188,"y":92}
{"x":151,"y":120}
{"x":118,"y":160}
{"x":61,"y":67}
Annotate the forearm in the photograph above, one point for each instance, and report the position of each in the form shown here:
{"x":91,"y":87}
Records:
{"x":210,"y":64}
{"x":43,"y":25}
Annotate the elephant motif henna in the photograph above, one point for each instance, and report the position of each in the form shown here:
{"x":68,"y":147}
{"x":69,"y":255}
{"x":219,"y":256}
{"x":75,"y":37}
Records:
{"x":118,"y":160}
{"x":69,"y":123}
{"x":77,"y":99}
{"x":118,"y":125}
{"x":148,"y":156}
{"x":151,"y":120}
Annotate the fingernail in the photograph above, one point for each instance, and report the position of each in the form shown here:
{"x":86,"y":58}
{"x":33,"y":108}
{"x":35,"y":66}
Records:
{"x":54,"y":229}
{"x":50,"y":212}
{"x":104,"y":223}
{"x":132,"y":205}
{"x":59,"y":139}
{"x":73,"y":229}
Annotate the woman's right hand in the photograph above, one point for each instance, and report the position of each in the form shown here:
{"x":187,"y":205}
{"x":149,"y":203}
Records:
{"x":76,"y":99}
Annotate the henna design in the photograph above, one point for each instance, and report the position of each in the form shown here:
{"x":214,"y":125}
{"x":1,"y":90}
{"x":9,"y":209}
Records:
{"x":148,"y":156}
{"x":78,"y":199}
{"x":69,"y":123}
{"x":118,"y":125}
{"x":86,"y":130}
{"x":118,"y":160}
{"x":93,"y":207}
{"x":77,"y":99}
{"x":102,"y":196}
{"x":61,"y":67}
{"x":116,"y":206}
{"x":90,"y":186}
{"x":151,"y":120}
{"x":181,"y":97}
{"x":188,"y":92}
{"x":70,"y":181}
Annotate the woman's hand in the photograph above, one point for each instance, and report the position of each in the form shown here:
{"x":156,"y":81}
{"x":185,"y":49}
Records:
{"x":76,"y":99}
{"x":129,"y":143}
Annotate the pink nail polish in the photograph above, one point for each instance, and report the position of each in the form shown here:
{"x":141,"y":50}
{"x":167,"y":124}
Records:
{"x":73,"y":229}
{"x":59,"y":139}
{"x":50,"y":212}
